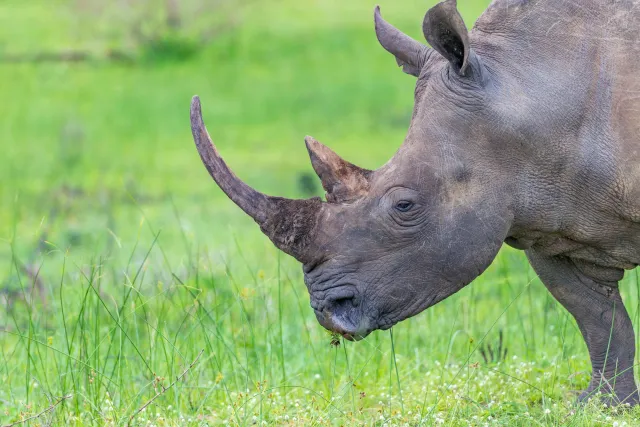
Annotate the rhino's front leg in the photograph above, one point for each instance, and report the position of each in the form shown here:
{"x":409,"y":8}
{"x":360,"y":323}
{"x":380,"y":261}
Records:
{"x":605,"y":325}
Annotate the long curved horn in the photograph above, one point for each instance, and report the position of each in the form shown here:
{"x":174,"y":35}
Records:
{"x":410,"y":54}
{"x":289,"y":223}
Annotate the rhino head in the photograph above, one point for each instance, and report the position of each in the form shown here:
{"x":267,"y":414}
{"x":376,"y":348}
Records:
{"x":389,"y":243}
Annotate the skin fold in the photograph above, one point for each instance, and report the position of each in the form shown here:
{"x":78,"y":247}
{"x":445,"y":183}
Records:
{"x":525,"y":131}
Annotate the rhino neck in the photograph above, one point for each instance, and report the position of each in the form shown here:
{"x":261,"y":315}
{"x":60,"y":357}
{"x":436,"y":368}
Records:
{"x":544,"y":19}
{"x":563,"y":71}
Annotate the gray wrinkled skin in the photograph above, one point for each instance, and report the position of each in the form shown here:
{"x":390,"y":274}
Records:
{"x":525,"y":130}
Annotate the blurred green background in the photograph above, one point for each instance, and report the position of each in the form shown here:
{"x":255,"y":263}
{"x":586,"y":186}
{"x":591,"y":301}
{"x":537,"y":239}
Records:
{"x":114,"y":127}
{"x":120,"y":259}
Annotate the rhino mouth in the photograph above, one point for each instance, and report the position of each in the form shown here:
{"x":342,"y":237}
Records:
{"x":351,"y":325}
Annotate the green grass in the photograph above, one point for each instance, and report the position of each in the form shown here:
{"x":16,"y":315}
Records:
{"x":142,"y":263}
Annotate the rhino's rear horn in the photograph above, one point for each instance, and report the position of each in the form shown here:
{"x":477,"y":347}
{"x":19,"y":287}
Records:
{"x":290,"y":224}
{"x":342,"y":180}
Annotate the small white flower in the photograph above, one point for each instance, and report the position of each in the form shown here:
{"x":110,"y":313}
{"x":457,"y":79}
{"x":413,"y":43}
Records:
{"x":547,"y":411}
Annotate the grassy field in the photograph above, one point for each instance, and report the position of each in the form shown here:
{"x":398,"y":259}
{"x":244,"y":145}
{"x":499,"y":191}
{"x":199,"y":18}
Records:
{"x":127,"y":277}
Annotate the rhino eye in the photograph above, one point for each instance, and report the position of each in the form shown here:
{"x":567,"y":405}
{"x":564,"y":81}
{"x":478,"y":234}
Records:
{"x":404,"y":206}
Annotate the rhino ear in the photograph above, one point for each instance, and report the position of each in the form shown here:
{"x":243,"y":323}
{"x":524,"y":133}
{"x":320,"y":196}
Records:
{"x":410,"y":54}
{"x":446,"y":32}
{"x":341,"y":180}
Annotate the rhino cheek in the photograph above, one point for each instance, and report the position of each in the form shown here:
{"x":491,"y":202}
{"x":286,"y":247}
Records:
{"x":440,"y":267}
{"x":409,"y":304}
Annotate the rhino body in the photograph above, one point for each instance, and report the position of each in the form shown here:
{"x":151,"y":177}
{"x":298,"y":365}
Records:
{"x":525,"y":131}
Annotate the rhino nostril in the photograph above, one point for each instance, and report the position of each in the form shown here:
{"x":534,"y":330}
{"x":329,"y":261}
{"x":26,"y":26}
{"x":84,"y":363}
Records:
{"x":343,"y":305}
{"x":342,"y":312}
{"x":344,"y":302}
{"x":337,"y":300}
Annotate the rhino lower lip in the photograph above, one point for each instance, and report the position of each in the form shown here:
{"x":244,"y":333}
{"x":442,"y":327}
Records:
{"x":352,"y":336}
{"x":350,"y":332}
{"x":355,"y":337}
{"x":348,"y":337}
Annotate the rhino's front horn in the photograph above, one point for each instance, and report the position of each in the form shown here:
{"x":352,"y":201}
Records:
{"x":290,"y":224}
{"x":343,"y":181}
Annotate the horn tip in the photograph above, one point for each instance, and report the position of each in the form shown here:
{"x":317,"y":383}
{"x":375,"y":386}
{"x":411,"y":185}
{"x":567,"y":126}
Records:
{"x":311,"y":143}
{"x":196,"y":108}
